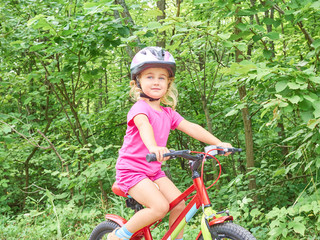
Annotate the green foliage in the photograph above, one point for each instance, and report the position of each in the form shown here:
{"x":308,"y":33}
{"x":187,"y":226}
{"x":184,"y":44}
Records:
{"x":64,"y":71}
{"x":292,"y":221}
{"x":59,"y":220}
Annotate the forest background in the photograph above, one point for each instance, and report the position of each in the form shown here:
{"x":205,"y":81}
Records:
{"x":248,"y":71}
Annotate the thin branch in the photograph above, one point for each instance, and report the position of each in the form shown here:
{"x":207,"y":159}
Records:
{"x":23,"y":136}
{"x":52,"y":147}
{"x":34,"y":185}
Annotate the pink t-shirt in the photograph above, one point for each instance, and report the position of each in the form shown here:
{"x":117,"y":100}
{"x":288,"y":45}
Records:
{"x":132,"y":155}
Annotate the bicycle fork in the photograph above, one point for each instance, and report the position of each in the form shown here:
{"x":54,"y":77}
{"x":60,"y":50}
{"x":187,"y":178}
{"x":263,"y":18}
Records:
{"x":207,"y":233}
{"x":208,"y":213}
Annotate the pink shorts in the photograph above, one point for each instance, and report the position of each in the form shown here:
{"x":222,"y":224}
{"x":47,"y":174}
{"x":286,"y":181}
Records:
{"x":126,"y":179}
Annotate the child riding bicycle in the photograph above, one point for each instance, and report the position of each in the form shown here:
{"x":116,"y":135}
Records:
{"x":148,"y":126}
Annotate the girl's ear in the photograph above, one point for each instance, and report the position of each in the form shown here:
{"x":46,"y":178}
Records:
{"x":170,"y":82}
{"x":137,"y":82}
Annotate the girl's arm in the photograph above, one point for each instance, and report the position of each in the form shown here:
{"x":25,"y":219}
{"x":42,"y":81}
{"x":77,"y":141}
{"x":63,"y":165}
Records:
{"x":146,"y":133}
{"x":197,"y":132}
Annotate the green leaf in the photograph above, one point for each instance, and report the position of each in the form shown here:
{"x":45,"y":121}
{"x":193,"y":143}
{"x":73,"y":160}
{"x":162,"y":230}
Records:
{"x":312,"y":123}
{"x":232,"y":112}
{"x":6,"y":129}
{"x":241,"y":26}
{"x":308,"y":165}
{"x":164,"y":28}
{"x":283,"y":104}
{"x":254,"y":213}
{"x":247,"y":12}
{"x":268,"y":21}
{"x":261,"y":72}
{"x":306,"y":116}
{"x":98,"y":149}
{"x":316,"y":106}
{"x":34,"y":20}
{"x":280,"y":86}
{"x":27,"y":100}
{"x":293,"y":85}
{"x":18,"y":42}
{"x":306,"y":208}
{"x":315,"y":79}
{"x":224,"y":36}
{"x":259,"y":28}
{"x":154,"y":25}
{"x":37,"y":47}
{"x":318,"y":161}
{"x":316,"y":44}
{"x":153,"y":13}
{"x":279,"y":172}
{"x":311,"y":97}
{"x":288,"y":109}
{"x":273,"y":35}
{"x":305,"y":105}
{"x":297,"y":227}
{"x":256,"y":38}
{"x":227,"y":44}
{"x":315,"y":5}
{"x":267,"y":53}
{"x":275,"y":232}
{"x":242,"y":68}
{"x":197,"y":2}
{"x":285,"y":232}
{"x":90,"y":5}
{"x":295,"y":135}
{"x":295,"y":99}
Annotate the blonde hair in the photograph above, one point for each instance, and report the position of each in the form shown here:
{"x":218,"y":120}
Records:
{"x":170,"y":98}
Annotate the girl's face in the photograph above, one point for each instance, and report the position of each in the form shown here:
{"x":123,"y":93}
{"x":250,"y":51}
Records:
{"x":154,"y":82}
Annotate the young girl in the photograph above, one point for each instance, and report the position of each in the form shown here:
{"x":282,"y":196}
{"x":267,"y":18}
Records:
{"x":148,"y":127}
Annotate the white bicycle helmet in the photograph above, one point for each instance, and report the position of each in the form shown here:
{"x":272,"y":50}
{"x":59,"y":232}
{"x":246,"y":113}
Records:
{"x":152,"y":57}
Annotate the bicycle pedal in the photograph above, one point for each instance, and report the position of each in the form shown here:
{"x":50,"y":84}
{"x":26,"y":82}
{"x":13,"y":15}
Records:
{"x":133,"y":204}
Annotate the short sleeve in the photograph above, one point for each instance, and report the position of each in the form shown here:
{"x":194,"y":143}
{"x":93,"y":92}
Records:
{"x":176,"y":118}
{"x":138,"y":108}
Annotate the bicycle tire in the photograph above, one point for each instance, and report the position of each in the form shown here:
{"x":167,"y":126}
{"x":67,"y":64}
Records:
{"x":232,"y":231}
{"x":102,"y":230}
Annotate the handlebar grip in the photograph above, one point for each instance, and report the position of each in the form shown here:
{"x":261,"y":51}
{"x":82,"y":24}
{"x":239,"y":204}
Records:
{"x":151,"y":157}
{"x":233,"y":150}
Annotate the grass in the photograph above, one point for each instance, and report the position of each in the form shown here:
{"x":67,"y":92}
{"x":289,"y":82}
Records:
{"x":70,"y":222}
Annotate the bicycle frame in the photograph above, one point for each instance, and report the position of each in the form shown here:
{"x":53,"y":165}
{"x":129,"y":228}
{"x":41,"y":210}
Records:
{"x":200,"y":199}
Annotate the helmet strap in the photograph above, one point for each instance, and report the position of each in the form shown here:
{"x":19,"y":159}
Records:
{"x":142,"y":94}
{"x":150,"y":98}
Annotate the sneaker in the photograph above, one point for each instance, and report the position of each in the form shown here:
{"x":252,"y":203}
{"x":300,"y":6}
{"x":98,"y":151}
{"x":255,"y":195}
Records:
{"x":113,"y":236}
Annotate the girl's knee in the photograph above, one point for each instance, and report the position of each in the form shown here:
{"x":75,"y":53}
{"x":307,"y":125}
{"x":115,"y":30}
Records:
{"x":161,"y":210}
{"x":180,"y":207}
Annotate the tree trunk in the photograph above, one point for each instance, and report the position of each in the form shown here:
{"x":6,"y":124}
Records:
{"x":247,"y":125}
{"x":248,"y":138}
{"x":206,"y":113}
{"x":162,"y":36}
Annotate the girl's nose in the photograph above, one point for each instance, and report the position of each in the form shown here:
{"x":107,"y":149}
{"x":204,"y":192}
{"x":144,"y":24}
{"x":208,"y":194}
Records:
{"x":156,"y":81}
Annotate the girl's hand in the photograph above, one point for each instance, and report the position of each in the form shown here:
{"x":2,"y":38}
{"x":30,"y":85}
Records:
{"x":159,"y":151}
{"x":225,"y":145}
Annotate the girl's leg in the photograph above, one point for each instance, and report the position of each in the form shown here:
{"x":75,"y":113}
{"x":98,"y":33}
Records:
{"x":171,"y":192}
{"x":157,"y":206}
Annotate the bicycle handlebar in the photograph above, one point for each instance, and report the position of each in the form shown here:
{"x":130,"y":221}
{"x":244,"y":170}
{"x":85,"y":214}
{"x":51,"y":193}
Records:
{"x":212,"y":150}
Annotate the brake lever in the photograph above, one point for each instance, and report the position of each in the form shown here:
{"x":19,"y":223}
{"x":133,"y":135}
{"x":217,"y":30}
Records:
{"x":216,"y":150}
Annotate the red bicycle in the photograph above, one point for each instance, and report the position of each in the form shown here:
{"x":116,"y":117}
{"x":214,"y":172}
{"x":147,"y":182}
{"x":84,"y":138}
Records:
{"x":214,"y":225}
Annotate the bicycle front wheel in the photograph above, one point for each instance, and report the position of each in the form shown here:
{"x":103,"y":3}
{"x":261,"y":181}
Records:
{"x":101,"y":231}
{"x":232,"y":231}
